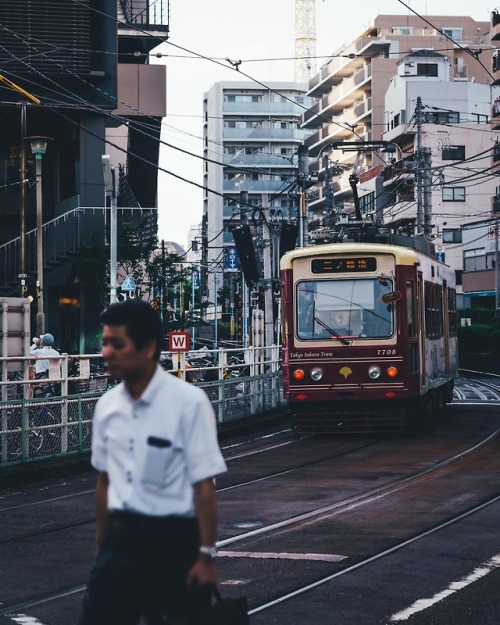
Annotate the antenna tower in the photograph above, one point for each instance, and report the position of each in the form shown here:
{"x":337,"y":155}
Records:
{"x":305,"y":40}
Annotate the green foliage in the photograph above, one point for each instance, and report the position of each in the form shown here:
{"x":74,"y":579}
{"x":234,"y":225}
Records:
{"x":479,"y":347}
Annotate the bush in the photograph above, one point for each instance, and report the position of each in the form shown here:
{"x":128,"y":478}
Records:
{"x":479,"y":347}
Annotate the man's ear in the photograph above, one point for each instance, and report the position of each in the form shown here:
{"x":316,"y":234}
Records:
{"x":150,"y":349}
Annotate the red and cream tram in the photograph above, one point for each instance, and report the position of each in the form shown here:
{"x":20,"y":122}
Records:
{"x":369,"y":336}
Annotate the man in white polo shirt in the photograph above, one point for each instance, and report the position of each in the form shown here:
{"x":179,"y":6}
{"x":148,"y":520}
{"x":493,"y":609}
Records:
{"x":41,"y":348}
{"x":154,"y":444}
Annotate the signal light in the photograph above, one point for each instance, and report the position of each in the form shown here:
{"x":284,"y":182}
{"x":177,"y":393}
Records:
{"x":392,"y":372}
{"x":298,"y":374}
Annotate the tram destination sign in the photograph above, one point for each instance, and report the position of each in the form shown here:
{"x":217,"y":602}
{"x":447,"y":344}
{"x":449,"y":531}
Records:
{"x":351,"y":264}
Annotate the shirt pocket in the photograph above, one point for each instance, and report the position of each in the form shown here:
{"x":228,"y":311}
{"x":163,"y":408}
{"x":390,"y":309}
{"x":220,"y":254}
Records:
{"x":163,"y":466}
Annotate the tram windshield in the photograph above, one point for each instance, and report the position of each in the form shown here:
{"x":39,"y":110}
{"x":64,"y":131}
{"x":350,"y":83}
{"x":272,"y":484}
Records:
{"x":344,"y":308}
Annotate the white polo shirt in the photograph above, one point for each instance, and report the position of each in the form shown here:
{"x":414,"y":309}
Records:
{"x":156,"y":447}
{"x":42,"y":365}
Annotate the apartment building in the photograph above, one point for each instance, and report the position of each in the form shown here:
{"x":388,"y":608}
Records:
{"x":351,"y":88}
{"x":251,"y":139}
{"x":439,"y":176}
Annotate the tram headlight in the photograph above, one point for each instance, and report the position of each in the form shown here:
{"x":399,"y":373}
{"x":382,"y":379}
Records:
{"x":298,"y":374}
{"x":374,"y":373}
{"x":392,"y":372}
{"x":317,"y":374}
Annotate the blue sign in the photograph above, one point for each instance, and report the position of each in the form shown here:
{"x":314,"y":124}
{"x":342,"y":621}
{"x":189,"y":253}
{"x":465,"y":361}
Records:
{"x":128,"y":284}
{"x":195,"y":279}
{"x":440,"y":256}
{"x":231,"y":259}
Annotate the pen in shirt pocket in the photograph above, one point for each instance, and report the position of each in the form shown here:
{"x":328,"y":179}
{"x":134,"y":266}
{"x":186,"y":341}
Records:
{"x":154,"y":441}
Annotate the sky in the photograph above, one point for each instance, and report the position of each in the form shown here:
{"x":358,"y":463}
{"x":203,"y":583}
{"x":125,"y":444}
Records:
{"x":257,"y":32}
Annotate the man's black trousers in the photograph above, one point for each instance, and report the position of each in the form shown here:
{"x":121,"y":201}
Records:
{"x":141,"y":570}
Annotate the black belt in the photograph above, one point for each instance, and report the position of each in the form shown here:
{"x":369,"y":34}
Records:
{"x":149,"y":521}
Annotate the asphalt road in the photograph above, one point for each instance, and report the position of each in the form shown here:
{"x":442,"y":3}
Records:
{"x":348,"y":530}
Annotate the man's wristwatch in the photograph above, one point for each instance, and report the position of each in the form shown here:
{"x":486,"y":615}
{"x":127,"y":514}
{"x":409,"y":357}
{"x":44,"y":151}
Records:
{"x":211,"y":552}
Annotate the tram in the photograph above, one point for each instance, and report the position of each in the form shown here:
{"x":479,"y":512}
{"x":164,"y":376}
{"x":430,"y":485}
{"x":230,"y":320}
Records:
{"x":369,"y":336}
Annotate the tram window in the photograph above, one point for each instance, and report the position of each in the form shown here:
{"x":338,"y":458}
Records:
{"x":452,"y":312}
{"x":433,"y":310}
{"x":350,"y":307}
{"x":410,"y":304}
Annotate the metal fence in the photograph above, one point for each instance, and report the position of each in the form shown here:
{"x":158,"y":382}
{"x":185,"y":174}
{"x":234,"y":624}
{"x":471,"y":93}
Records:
{"x":58,"y":420}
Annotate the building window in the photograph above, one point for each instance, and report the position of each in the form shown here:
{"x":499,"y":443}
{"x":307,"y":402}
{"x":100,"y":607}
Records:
{"x":242,"y":98}
{"x":453,"y":153}
{"x":496,"y":61}
{"x":477,"y":118}
{"x":441,"y":117}
{"x":367,"y":202}
{"x":427,"y":69}
{"x":475,"y":260}
{"x":402,"y":30}
{"x":453,"y":33}
{"x":453,"y":194}
{"x":452,"y":235}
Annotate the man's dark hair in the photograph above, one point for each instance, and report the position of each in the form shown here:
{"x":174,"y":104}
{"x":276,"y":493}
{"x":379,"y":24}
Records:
{"x":141,"y":321}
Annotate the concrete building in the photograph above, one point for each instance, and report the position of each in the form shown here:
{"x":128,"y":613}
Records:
{"x":351,"y":88}
{"x":87,"y":64}
{"x":251,"y":139}
{"x":481,"y":286}
{"x":440,"y":177}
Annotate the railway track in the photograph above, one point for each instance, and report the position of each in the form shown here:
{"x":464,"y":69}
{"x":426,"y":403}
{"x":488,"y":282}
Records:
{"x":263,"y":468}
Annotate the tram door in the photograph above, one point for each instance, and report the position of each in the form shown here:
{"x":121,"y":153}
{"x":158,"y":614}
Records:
{"x":412,"y":328}
{"x":446,"y":328}
{"x":421,"y":326}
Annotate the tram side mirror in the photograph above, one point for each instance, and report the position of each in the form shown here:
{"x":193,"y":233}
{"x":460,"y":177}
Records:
{"x":393,"y":296}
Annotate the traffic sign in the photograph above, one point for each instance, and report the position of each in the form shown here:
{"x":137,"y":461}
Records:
{"x":178,"y":341}
{"x":128,"y":284}
{"x":195,"y":279}
{"x":231,"y":259}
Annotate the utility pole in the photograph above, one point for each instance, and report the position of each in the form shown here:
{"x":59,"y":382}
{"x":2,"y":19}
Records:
{"x":303,"y":175}
{"x":427,"y":191}
{"x":497,"y":272}
{"x":244,"y":287}
{"x":110,"y":184}
{"x":22,"y":198}
{"x":268,"y":283}
{"x":204,"y":263}
{"x":419,"y":167}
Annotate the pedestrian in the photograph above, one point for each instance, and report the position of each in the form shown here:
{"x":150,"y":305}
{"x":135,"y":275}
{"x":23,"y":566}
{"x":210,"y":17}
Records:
{"x":154,"y":445}
{"x":41,"y":348}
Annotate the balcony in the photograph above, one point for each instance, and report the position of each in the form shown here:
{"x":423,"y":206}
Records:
{"x":350,"y":91}
{"x":147,"y":14}
{"x":399,"y":169}
{"x":257,"y":186}
{"x":266,"y":161}
{"x":495,"y":26}
{"x":264,"y":134}
{"x":141,"y":90}
{"x":340,"y":67}
{"x":265,"y":109}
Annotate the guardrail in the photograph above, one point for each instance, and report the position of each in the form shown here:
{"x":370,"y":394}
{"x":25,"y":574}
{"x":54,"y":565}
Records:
{"x":53,"y":416}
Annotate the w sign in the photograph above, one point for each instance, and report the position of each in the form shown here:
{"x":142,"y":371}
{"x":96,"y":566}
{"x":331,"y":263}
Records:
{"x":178,"y":341}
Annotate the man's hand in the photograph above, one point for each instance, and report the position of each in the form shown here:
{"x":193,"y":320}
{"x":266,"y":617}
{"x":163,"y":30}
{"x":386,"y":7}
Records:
{"x":203,"y":570}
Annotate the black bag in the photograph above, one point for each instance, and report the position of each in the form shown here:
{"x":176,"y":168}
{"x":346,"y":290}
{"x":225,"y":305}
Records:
{"x":220,"y":612}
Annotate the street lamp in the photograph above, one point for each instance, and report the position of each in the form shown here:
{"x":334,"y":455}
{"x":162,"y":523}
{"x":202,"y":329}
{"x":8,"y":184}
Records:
{"x":38,"y":148}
